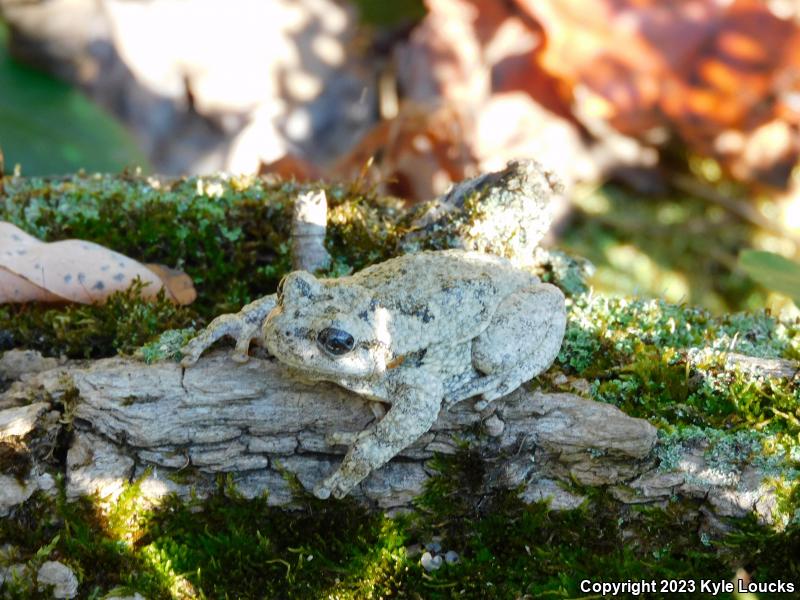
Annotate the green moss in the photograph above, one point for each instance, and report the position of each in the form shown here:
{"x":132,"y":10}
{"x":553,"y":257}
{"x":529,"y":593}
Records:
{"x":228,"y":546}
{"x":601,"y":325}
{"x":76,"y":534}
{"x":121,"y":325}
{"x":666,"y":363}
{"x":730,"y":450}
{"x":167,"y":346}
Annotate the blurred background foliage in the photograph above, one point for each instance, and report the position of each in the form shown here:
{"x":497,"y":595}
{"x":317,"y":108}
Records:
{"x":379,"y":13}
{"x":49,"y":127}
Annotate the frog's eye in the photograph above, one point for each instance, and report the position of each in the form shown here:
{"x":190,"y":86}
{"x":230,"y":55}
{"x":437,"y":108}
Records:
{"x":335,"y":341}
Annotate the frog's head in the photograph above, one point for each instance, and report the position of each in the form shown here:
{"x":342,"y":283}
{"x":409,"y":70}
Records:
{"x":328,"y":328}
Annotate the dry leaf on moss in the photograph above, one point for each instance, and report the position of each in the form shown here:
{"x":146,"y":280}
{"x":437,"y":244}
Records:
{"x":73,"y":271}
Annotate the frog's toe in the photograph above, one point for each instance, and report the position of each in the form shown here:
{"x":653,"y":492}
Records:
{"x":340,"y":491}
{"x":336,"y":484}
{"x":330,"y":485}
{"x":191,"y":353}
{"x":240,"y":353}
{"x":481,"y":404}
{"x":321,"y":491}
{"x":239,"y":356}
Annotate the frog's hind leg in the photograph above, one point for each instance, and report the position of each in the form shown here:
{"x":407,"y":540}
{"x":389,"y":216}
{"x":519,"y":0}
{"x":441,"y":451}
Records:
{"x":522,"y":340}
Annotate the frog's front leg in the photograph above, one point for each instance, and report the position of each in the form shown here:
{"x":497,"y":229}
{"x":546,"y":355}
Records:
{"x":415,"y":407}
{"x":244,"y":327}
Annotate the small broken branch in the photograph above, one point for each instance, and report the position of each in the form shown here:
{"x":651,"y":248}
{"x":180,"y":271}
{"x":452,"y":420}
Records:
{"x":309,"y":223}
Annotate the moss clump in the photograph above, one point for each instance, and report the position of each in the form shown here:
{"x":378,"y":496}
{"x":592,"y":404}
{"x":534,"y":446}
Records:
{"x":666,"y":363}
{"x":617,"y":327}
{"x":121,"y":325}
{"x":77,"y":534}
{"x":167,"y":346}
{"x":728,"y":452}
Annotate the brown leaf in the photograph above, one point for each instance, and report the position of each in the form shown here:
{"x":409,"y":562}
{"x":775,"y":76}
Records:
{"x":416,"y":155}
{"x":179,"y":285}
{"x":68,"y":270}
{"x":15,"y":289}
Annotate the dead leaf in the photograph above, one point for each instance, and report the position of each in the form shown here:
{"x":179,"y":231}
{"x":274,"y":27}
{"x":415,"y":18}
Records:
{"x":70,"y":271}
{"x":179,"y":285}
{"x":290,"y":167}
{"x":16,"y":289}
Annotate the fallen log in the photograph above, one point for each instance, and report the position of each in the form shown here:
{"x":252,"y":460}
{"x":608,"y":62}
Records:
{"x":254,"y":424}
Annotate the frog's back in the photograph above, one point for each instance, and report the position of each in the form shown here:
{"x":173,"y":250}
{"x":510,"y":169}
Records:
{"x":443,"y":296}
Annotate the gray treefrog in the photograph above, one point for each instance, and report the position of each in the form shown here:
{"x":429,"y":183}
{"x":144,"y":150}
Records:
{"x":417,"y":332}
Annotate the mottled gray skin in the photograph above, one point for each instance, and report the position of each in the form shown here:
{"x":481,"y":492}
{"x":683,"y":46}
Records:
{"x":423,"y":330}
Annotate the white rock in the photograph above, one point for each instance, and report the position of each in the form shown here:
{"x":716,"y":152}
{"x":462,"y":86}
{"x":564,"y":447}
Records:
{"x":16,"y":363}
{"x":429,"y":562}
{"x":549,"y":490}
{"x":95,"y":465}
{"x":60,"y":576}
{"x":20,"y":420}
{"x":494,"y":426}
{"x":451,"y":557}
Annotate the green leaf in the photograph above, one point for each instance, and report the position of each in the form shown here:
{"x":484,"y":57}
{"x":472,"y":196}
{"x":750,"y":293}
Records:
{"x":50,"y":128}
{"x":773,"y":271}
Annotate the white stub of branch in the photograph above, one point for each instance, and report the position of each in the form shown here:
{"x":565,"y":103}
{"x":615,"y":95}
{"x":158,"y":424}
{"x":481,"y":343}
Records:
{"x":309,"y":221}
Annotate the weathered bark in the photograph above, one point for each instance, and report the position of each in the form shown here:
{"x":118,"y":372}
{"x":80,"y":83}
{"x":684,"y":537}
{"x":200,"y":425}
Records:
{"x":182,"y":428}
